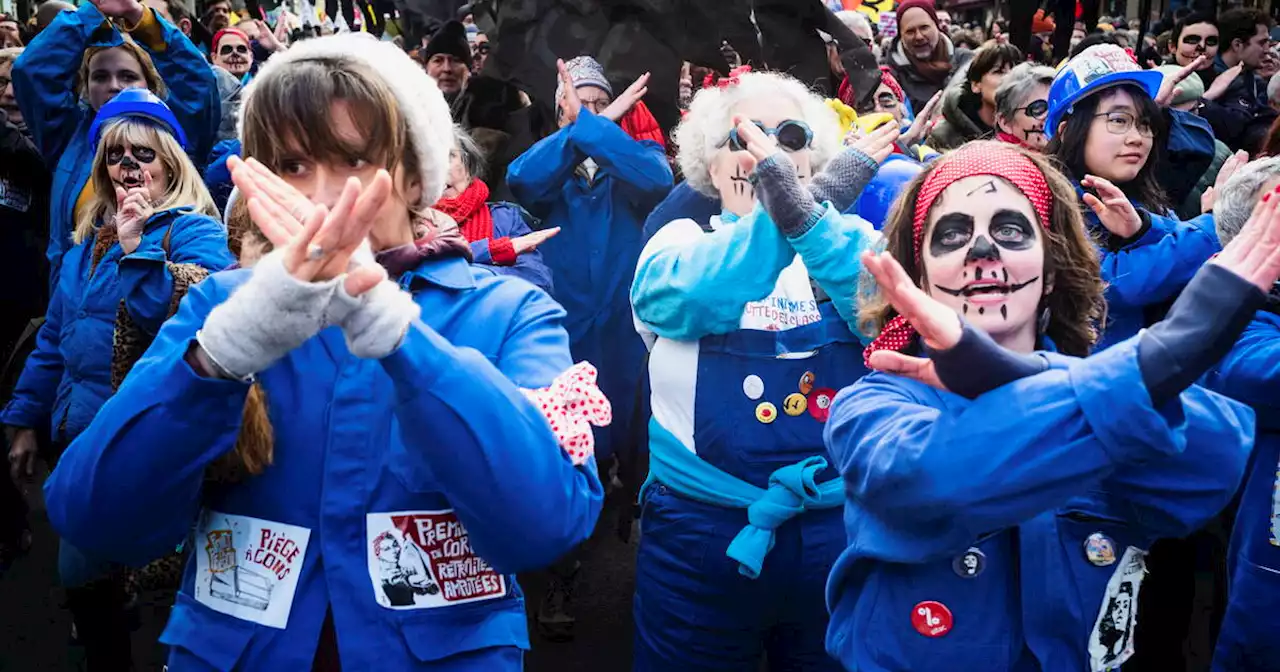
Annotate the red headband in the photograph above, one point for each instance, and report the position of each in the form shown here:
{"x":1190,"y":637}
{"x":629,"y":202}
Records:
{"x":217,"y":37}
{"x":978,"y":158}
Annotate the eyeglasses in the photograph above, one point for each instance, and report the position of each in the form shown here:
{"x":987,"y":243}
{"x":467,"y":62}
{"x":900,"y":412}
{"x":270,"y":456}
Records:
{"x":1119,"y":123}
{"x":1035,"y":109}
{"x":1193,"y":40}
{"x":228,"y":49}
{"x":792,"y":136}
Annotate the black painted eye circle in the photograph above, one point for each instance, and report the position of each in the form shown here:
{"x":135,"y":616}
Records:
{"x":144,"y":154}
{"x":115,"y":154}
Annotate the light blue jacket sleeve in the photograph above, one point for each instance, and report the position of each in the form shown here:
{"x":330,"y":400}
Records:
{"x":44,"y":80}
{"x":691,"y":284}
{"x":1019,"y":450}
{"x":1155,"y":267}
{"x":831,"y":252}
{"x":640,"y":165}
{"x":91,"y":495}
{"x":37,"y":387}
{"x":522,"y":500}
{"x":145,"y":277}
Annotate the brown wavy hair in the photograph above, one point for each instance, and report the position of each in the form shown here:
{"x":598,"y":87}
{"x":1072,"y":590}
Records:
{"x":1075,"y":303}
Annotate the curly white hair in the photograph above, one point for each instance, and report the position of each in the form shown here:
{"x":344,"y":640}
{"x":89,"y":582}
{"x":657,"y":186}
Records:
{"x":702,"y":132}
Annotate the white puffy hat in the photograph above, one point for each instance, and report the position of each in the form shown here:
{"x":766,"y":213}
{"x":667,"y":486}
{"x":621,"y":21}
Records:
{"x":421,"y":103}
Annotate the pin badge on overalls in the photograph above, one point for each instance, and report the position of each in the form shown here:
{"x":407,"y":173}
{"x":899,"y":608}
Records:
{"x":931,"y":619}
{"x":766,"y":412}
{"x":753,"y":387}
{"x":1100,"y":550}
{"x":794,"y":404}
{"x":806,"y":382}
{"x":820,"y":403}
{"x":970,"y":563}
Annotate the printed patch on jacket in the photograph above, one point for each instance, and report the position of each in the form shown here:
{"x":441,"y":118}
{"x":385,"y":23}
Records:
{"x":248,"y":567}
{"x":424,"y":560}
{"x":1111,"y":643}
{"x":14,"y":196}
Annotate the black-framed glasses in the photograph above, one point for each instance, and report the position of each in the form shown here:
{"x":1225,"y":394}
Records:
{"x":1119,"y":123}
{"x":1035,"y":109}
{"x":1194,"y":40}
{"x":228,"y":49}
{"x":792,"y":135}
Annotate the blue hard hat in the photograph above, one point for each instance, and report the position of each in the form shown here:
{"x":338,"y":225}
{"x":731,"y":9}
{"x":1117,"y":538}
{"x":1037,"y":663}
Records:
{"x":137,"y":102}
{"x":877,"y":199}
{"x":1096,"y":68}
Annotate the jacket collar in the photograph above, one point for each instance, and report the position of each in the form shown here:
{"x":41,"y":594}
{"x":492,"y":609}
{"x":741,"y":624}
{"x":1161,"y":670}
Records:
{"x":448,"y":273}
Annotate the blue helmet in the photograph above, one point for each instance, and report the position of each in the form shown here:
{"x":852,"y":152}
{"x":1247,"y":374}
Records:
{"x":137,"y":102}
{"x":1096,"y":68}
{"x":877,"y":199}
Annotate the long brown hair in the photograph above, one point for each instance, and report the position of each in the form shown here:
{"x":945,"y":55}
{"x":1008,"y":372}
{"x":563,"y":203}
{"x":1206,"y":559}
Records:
{"x":1075,"y":302}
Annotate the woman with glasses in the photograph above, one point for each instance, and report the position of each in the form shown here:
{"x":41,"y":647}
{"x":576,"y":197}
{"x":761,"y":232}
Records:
{"x":749,"y":320}
{"x":1022,"y":103}
{"x":1109,"y":135}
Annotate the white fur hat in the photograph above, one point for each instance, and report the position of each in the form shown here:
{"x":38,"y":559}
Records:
{"x":421,"y":103}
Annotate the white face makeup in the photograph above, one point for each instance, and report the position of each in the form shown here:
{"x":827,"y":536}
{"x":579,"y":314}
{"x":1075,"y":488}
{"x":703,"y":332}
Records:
{"x":983,"y":255}
{"x":126,"y":163}
{"x":736,"y":193}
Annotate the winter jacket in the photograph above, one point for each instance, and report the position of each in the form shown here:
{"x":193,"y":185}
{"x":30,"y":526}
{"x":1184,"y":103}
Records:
{"x":217,"y":176}
{"x":1191,"y":204}
{"x":1187,"y":155}
{"x":1249,"y":374}
{"x":44,"y":79}
{"x":1007,"y":532}
{"x":403,"y":495}
{"x":511,"y":221}
{"x":593,"y":258}
{"x":24,"y":233}
{"x":960,"y":121}
{"x":1242,"y":116}
{"x":918,"y":89}
{"x":68,"y":377}
{"x":684,"y":202}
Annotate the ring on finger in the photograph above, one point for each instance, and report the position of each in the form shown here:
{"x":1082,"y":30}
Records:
{"x":314,"y":252}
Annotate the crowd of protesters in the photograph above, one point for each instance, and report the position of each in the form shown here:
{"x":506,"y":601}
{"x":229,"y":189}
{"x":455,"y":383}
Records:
{"x":963,"y":355}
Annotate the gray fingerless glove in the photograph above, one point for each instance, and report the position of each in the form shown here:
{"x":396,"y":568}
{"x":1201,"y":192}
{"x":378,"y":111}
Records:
{"x":844,"y":178}
{"x":378,"y":326}
{"x":268,"y":316}
{"x":792,"y":208}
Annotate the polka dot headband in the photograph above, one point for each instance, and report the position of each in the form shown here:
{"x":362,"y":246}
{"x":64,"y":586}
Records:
{"x":978,"y":158}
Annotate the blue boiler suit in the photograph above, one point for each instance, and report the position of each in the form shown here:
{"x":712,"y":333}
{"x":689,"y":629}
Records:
{"x":1036,"y":477}
{"x":592,"y":259}
{"x":1247,"y":639}
{"x":403,"y":496}
{"x":728,"y":485}
{"x":44,"y":81}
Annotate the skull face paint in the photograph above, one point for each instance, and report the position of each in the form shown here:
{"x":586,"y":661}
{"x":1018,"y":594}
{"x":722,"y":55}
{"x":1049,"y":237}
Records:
{"x":984,"y":257}
{"x":126,"y":163}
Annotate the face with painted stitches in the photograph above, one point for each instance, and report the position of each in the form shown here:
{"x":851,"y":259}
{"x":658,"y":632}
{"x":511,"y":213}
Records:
{"x":234,"y":54}
{"x":127,"y":161}
{"x":1027,"y":122}
{"x":983,"y":254}
{"x":736,"y":194}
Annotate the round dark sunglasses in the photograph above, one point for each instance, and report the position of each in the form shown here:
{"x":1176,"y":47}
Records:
{"x":792,"y":135}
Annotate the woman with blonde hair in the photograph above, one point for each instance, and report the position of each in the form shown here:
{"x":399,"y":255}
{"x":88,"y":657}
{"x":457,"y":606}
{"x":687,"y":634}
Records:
{"x":402,"y":396}
{"x":150,"y":216}
{"x":82,"y":60}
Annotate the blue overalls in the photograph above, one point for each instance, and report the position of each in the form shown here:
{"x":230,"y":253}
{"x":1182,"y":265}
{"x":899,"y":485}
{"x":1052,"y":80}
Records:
{"x":737,"y":537}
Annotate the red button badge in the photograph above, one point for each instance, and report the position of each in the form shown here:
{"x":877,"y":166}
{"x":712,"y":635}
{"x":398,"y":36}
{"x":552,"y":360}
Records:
{"x":820,"y":403}
{"x":931,"y":619}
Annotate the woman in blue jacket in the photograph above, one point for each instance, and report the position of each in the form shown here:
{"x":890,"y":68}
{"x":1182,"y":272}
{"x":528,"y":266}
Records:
{"x":500,"y":234}
{"x":82,"y":60}
{"x":999,"y":489}
{"x":1110,"y":136}
{"x":403,"y":470}
{"x":749,"y":320}
{"x":150,"y":209}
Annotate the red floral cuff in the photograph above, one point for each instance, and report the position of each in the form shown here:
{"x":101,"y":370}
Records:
{"x":571,"y":404}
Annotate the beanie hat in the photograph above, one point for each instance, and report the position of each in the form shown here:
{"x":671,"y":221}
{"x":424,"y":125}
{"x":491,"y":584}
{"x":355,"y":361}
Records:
{"x":451,"y":39}
{"x":585,"y":71}
{"x":1189,"y":89}
{"x":927,"y":5}
{"x":421,"y":103}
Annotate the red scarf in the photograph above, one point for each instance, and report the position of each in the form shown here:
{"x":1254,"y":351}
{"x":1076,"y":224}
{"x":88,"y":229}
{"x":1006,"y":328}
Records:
{"x":470,"y":210}
{"x":639,"y":123}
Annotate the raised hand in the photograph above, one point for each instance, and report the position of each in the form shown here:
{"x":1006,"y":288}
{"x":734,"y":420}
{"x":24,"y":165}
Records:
{"x":1223,"y":81}
{"x":1169,"y":88}
{"x":938,"y":325}
{"x":530,"y":241}
{"x":1254,"y":254}
{"x":623,"y":103}
{"x":879,"y":143}
{"x":923,"y":122}
{"x":288,"y":206}
{"x":1112,"y":207}
{"x":570,"y":104}
{"x":129,"y":10}
{"x":133,"y":209}
{"x":1229,"y":167}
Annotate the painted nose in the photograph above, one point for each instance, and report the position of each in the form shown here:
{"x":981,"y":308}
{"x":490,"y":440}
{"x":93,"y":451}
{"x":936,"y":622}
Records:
{"x":982,"y":250}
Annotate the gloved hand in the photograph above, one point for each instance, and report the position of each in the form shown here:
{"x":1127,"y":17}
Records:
{"x":382,"y":316}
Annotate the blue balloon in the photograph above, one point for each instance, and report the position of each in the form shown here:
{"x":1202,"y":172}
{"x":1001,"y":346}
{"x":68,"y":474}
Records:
{"x":877,"y":199}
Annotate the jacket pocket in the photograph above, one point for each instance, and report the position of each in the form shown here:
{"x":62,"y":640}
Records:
{"x":203,"y":639}
{"x":436,"y":635}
